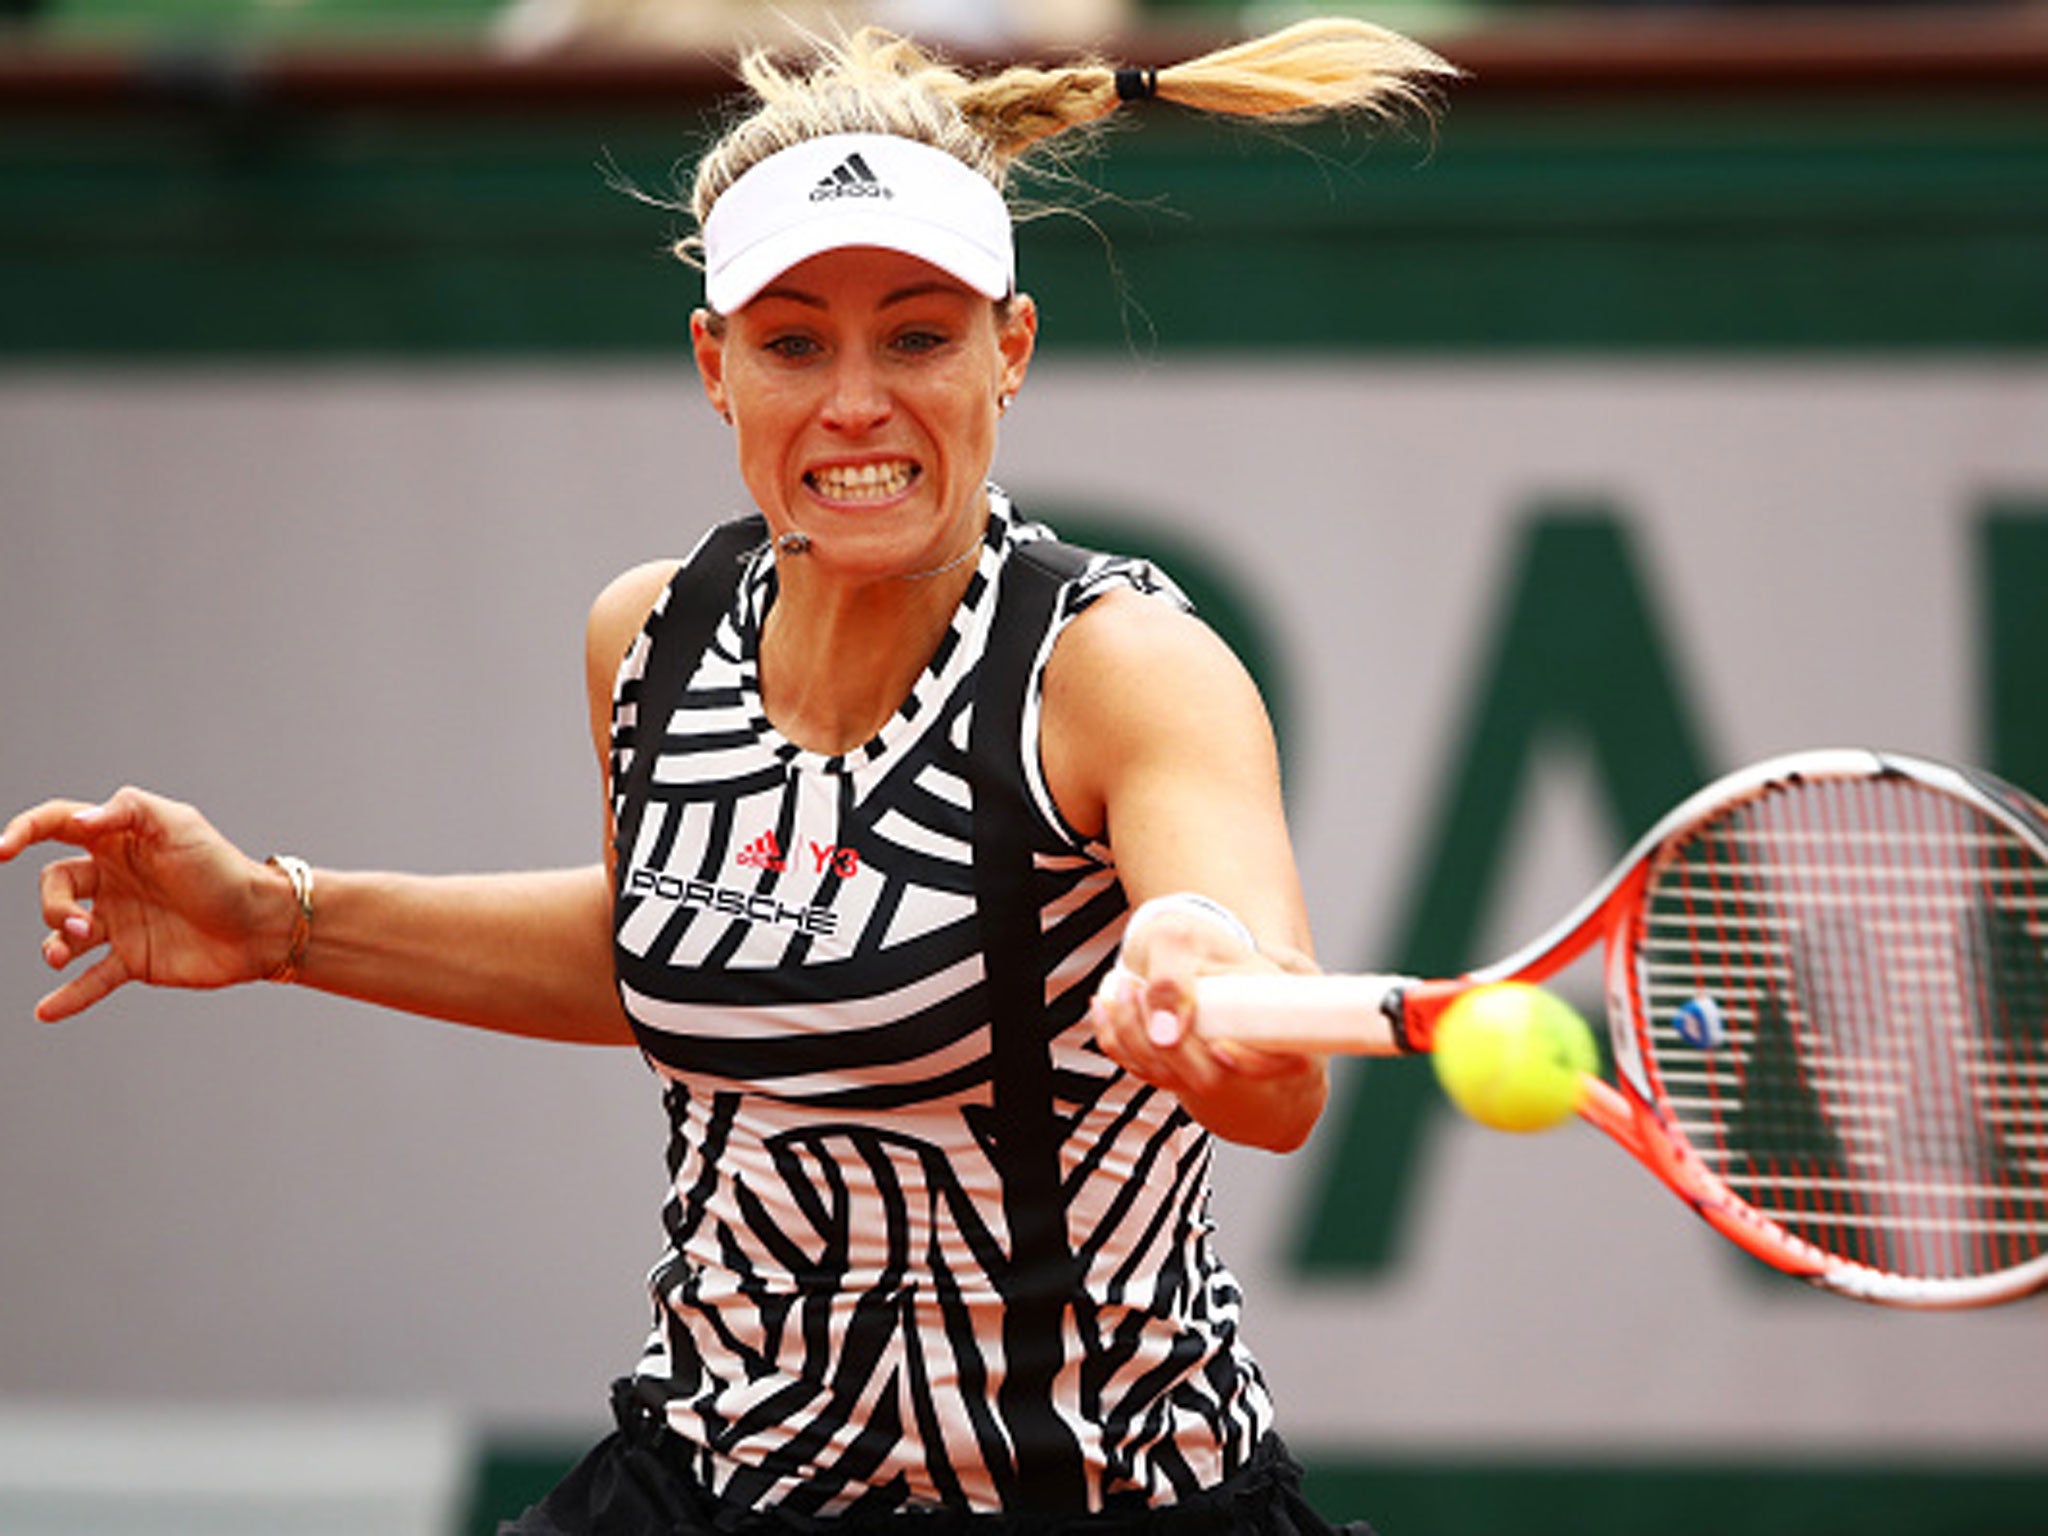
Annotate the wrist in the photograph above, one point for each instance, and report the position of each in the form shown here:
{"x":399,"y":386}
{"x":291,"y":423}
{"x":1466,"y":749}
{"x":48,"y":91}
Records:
{"x":300,"y":876}
{"x":1192,"y":904}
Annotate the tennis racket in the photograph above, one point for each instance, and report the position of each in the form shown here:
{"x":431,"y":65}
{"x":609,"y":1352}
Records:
{"x":1827,"y":1003}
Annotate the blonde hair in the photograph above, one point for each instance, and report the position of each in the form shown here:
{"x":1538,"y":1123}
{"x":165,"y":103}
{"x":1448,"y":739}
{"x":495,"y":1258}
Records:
{"x":877,"y":82}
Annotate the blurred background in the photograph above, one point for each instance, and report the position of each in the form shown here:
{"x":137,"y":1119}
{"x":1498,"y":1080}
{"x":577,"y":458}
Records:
{"x":1681,"y":397}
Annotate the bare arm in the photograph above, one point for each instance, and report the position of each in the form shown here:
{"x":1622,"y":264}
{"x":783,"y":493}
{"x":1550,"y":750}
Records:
{"x":172,"y":902}
{"x":1155,"y":737}
{"x":525,"y":953}
{"x":175,"y":904}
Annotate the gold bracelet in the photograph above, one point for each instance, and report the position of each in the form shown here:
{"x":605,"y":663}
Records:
{"x":300,"y":873}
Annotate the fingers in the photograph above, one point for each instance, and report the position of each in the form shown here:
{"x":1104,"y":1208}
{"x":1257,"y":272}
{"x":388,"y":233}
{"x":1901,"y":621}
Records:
{"x":67,"y":891}
{"x":79,"y":823}
{"x":1152,"y":1029}
{"x":1143,"y":1027}
{"x":68,"y":888}
{"x":41,"y":824}
{"x":82,"y":991}
{"x":1144,"y":1012}
{"x":1252,"y":1061}
{"x":64,"y":944}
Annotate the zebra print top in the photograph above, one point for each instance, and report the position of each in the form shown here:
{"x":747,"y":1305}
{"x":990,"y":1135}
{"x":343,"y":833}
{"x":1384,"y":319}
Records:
{"x":797,"y":946}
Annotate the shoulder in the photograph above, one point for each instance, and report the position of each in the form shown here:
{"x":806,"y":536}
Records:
{"x":1125,"y":635}
{"x":1134,"y":675}
{"x":1127,"y":641}
{"x":621,"y":609}
{"x":1088,"y":574}
{"x":616,"y":619}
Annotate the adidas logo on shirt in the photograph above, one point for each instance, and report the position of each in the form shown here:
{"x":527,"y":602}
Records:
{"x":850,"y":178}
{"x":762,"y":853}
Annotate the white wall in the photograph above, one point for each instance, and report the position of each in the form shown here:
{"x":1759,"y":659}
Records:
{"x":341,"y":610}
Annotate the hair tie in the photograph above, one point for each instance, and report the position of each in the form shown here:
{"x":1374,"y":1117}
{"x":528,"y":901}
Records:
{"x":1137,"y":84}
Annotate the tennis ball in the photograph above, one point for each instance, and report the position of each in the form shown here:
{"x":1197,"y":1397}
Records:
{"x":1510,"y":1055}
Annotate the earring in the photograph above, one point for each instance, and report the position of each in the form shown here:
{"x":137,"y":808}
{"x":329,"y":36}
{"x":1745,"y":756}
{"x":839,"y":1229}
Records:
{"x":1003,"y":401}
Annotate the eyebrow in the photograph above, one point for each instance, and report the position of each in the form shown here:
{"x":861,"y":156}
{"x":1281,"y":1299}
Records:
{"x":894,"y":296}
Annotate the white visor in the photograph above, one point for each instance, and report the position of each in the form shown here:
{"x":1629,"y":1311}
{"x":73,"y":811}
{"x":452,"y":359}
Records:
{"x":853,"y":189}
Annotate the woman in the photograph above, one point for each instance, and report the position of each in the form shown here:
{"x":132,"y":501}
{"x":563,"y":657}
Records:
{"x":912,"y":868}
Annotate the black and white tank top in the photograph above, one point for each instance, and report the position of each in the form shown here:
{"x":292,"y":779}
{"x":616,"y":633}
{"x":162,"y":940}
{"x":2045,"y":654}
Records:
{"x":798,"y":946}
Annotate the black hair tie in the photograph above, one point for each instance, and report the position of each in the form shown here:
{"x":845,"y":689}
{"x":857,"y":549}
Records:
{"x":1137,"y":84}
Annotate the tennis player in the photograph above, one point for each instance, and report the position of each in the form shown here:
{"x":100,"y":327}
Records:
{"x":923,"y":825}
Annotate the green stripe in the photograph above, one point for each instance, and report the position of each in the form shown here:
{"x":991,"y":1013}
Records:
{"x":1725,"y":228}
{"x":245,"y":22}
{"x":1475,"y":1495}
{"x":1531,"y":1497}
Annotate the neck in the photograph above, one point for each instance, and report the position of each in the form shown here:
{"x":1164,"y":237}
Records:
{"x":837,"y":663}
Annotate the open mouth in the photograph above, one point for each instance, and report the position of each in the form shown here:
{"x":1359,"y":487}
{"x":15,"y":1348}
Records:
{"x":855,"y":483}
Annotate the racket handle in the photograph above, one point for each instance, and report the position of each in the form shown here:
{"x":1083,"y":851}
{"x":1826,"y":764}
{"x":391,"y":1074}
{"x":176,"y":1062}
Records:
{"x":1315,"y":1015}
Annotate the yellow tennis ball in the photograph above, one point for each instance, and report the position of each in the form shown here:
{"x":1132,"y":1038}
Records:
{"x":1510,"y":1056}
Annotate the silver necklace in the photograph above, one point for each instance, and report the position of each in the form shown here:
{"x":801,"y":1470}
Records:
{"x":796,"y":543}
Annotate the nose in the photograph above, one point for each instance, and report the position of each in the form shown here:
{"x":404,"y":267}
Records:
{"x":858,"y":399}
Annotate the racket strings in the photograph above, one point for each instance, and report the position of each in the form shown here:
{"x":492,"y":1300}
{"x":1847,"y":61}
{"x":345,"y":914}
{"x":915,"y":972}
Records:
{"x":1846,"y":995}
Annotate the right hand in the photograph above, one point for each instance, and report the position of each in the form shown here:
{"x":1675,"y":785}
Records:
{"x":174,"y":902}
{"x":1145,"y":1021}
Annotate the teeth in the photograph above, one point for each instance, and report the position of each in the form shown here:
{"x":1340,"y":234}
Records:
{"x":864,"y":482}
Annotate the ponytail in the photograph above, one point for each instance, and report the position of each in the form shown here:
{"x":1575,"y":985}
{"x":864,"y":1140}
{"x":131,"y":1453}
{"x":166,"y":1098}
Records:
{"x":877,"y":82}
{"x":1317,"y":68}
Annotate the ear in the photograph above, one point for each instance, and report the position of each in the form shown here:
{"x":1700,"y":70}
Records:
{"x":707,"y":340}
{"x":1017,"y":339}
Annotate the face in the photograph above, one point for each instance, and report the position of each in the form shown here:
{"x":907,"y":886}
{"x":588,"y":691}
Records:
{"x":864,"y":386}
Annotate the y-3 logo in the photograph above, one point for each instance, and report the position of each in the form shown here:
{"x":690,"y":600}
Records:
{"x":843,"y":862}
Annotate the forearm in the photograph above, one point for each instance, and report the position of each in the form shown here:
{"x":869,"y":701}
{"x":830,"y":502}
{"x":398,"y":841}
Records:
{"x":525,"y":954}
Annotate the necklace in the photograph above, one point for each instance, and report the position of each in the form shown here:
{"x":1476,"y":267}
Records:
{"x":953,"y":564}
{"x":796,"y":543}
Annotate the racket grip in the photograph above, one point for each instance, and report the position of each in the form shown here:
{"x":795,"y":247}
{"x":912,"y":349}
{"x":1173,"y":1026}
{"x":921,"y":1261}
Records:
{"x":1314,"y":1015}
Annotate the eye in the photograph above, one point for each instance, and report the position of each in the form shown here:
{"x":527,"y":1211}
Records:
{"x":918,"y":340}
{"x":792,"y":347}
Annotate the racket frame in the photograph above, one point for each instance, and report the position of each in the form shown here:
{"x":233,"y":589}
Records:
{"x":1632,"y":1113}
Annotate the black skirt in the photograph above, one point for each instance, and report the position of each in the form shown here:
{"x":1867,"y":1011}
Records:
{"x":633,"y":1484}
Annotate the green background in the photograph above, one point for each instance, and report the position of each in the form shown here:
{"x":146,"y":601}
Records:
{"x":212,"y":215}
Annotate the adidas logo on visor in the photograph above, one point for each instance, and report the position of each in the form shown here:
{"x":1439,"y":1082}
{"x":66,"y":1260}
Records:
{"x":850,"y":178}
{"x":825,"y":193}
